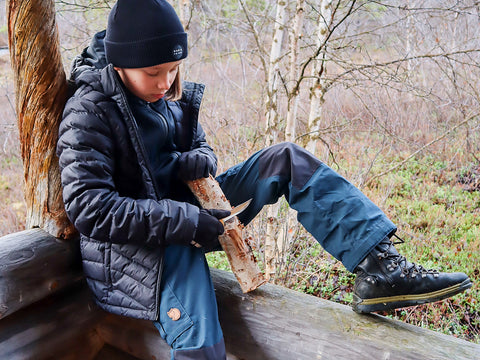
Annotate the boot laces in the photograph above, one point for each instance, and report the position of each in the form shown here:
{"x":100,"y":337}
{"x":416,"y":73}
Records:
{"x":407,"y":268}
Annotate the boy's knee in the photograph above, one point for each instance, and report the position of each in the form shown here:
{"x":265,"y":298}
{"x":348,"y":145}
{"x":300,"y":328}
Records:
{"x":285,"y":148}
{"x":288,"y":152}
{"x":290,"y":160}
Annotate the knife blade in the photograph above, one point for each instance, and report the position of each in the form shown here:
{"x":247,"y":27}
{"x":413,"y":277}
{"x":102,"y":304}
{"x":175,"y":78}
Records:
{"x":236,"y":210}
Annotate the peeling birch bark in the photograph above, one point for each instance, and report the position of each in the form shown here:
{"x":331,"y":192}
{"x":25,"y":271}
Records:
{"x":239,"y":253}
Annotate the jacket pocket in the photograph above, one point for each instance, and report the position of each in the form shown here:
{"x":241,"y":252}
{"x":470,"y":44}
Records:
{"x":173,"y":318}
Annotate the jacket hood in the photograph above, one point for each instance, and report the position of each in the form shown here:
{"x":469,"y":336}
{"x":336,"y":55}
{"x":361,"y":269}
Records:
{"x":92,"y":57}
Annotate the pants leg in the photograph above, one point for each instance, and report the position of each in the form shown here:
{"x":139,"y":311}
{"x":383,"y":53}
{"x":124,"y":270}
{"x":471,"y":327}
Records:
{"x":188,"y":308}
{"x":338,"y":215}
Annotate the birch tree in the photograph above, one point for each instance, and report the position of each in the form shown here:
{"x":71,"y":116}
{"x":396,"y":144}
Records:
{"x":286,"y":227}
{"x":294,"y":93}
{"x":319,"y":87}
{"x":272,"y":241}
{"x":271,"y":102}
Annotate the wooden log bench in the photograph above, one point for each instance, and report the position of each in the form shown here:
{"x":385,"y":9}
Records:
{"x":46,"y":312}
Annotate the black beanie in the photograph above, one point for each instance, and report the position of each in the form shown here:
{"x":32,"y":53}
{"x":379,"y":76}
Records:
{"x":143,"y":33}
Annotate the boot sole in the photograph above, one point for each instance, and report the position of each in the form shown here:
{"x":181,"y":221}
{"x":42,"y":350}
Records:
{"x":362,"y":306}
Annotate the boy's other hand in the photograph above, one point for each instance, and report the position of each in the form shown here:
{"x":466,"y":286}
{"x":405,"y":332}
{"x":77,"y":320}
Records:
{"x":209,"y":228}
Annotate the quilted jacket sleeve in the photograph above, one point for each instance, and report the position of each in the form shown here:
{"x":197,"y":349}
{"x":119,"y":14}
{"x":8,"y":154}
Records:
{"x":200,"y":145}
{"x":97,"y":210}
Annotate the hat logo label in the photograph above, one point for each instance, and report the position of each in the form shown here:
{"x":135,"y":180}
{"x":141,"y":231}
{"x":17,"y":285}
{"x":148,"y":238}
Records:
{"x":177,"y":52}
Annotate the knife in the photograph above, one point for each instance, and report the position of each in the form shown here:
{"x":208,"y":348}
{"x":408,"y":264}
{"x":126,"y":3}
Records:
{"x":236,"y":210}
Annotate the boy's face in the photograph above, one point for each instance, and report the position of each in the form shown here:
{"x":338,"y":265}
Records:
{"x":150,"y":83}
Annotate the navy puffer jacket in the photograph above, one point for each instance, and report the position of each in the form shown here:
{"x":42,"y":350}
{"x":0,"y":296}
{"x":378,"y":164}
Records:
{"x":109,"y":192}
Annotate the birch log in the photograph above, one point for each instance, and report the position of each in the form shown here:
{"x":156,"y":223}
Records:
{"x":239,"y":253}
{"x":41,"y":91}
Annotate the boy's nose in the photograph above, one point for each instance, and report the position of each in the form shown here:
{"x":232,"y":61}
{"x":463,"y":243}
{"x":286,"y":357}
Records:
{"x":164,"y":84}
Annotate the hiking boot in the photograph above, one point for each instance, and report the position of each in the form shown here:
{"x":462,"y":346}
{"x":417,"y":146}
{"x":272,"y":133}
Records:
{"x":386,"y":280}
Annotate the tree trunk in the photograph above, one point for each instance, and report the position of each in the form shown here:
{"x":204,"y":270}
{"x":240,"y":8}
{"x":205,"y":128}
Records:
{"x":41,"y":91}
{"x":286,"y":231}
{"x":294,"y":94}
{"x":318,"y":90}
{"x":271,"y":120}
{"x":271,"y":130}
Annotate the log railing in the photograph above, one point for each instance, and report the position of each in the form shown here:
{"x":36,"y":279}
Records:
{"x":47,"y":313}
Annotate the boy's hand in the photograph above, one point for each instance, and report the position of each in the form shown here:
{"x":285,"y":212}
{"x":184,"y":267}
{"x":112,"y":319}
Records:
{"x":195,"y":165}
{"x":209,"y":227}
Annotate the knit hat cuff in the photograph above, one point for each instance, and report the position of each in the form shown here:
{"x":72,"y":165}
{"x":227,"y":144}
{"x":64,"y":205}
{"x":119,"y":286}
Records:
{"x":145,"y":53}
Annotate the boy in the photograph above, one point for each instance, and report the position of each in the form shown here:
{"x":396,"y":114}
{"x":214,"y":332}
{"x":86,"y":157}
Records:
{"x":129,"y":139}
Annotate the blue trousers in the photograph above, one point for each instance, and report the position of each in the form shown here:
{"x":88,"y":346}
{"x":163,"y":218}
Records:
{"x":339,"y":216}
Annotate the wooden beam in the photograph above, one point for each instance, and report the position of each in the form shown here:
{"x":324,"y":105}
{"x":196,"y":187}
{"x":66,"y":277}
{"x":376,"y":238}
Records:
{"x":59,"y":327}
{"x":34,"y":265}
{"x":271,"y":322}
{"x":110,"y":353}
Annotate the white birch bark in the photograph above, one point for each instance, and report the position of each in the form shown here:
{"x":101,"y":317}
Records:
{"x":271,"y":119}
{"x":286,"y":231}
{"x":317,"y":91}
{"x":294,"y":95}
{"x":271,"y":123}
{"x":409,"y":39}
